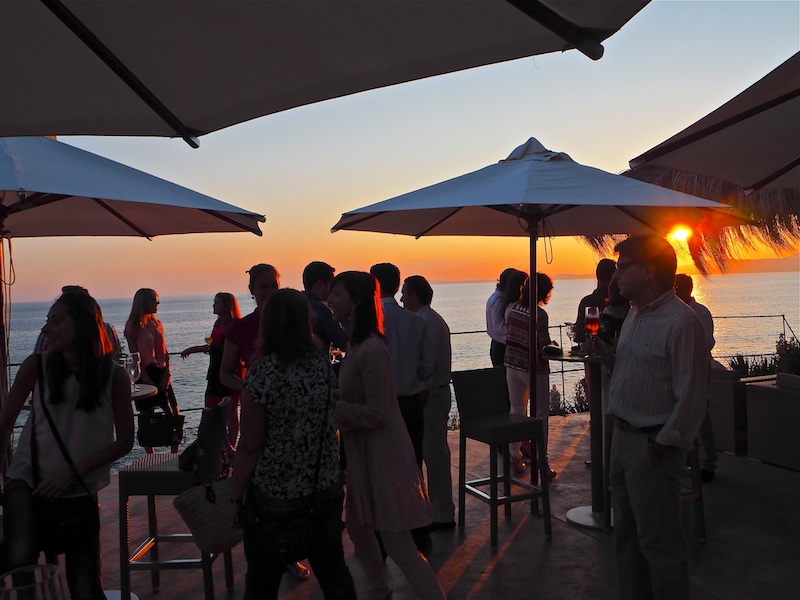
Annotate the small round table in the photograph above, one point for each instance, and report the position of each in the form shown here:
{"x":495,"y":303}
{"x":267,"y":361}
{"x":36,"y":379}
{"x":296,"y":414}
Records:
{"x":143,"y":390}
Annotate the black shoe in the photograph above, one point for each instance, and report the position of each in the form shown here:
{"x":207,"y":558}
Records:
{"x":422,"y":539}
{"x":706,"y":475}
{"x":441,"y":525}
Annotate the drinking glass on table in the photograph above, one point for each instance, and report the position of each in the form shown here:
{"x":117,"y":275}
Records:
{"x":133,"y":365}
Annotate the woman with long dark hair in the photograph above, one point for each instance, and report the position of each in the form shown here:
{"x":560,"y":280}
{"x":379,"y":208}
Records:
{"x":145,"y":335}
{"x":227,"y":310}
{"x":88,"y":398}
{"x":385,"y":492}
{"x":287,"y":430}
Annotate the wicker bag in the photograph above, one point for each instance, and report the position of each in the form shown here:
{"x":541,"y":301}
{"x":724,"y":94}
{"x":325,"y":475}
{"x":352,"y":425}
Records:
{"x":205,"y":510}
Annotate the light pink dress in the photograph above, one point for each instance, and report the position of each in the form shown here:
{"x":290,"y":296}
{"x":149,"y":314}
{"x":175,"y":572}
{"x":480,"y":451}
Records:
{"x":384,"y":487}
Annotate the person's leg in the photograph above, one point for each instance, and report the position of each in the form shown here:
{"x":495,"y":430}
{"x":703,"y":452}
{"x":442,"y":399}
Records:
{"x":82,"y":570}
{"x":368,"y":553}
{"x":327,"y":556}
{"x":626,"y":543}
{"x":413,"y":564}
{"x":436,"y":454}
{"x":708,"y":452}
{"x":497,"y":353}
{"x":412,"y":411}
{"x":19,"y":525}
{"x":517,"y":382}
{"x":652,"y":497}
{"x":263,"y":578}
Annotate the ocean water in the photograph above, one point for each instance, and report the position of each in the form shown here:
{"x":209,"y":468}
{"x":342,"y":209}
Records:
{"x":749,"y":312}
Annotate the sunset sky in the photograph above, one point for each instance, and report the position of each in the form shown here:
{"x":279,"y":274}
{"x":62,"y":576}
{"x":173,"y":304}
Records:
{"x":669,"y":66}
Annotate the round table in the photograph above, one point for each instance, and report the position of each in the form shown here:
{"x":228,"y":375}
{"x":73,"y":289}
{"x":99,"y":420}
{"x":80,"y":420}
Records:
{"x":143,"y":390}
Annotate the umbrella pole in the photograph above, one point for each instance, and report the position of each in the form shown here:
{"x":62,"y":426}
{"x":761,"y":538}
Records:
{"x":533,"y":236}
{"x":5,"y":458}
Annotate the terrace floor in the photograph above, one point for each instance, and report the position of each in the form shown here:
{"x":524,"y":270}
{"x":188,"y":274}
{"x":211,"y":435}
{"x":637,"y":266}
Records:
{"x":752,"y":548}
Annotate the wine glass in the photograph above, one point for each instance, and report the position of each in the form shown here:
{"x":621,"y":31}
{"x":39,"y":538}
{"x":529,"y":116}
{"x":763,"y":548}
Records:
{"x":209,"y":341}
{"x":133,"y":365}
{"x":34,"y":582}
{"x":592,"y":320}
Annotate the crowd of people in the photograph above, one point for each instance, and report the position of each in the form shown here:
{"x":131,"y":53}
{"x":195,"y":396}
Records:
{"x":341,"y":388}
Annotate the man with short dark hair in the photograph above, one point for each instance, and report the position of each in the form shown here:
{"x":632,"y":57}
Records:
{"x":658,"y":394}
{"x":317,"y":278}
{"x":416,"y":296}
{"x":604,"y":272}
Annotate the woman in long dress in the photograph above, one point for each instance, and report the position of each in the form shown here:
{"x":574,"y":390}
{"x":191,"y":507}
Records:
{"x":88,"y":396}
{"x":385,"y":492}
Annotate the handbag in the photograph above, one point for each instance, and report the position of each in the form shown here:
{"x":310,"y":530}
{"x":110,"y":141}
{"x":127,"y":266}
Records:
{"x":64,"y":523}
{"x":204,"y":509}
{"x":160,"y":429}
{"x":285,"y":528}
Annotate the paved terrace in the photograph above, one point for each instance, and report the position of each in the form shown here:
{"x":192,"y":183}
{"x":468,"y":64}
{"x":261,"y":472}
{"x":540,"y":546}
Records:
{"x":752,"y":549}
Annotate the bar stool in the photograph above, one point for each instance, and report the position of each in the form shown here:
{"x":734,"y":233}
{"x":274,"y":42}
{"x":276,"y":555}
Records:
{"x":159,"y":475}
{"x":482,"y":398}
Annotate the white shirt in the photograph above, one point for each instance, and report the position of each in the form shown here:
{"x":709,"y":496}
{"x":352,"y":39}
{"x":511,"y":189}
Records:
{"x":495,"y":317}
{"x":706,"y":320}
{"x":661,"y":371}
{"x":409,"y":346}
{"x":439,"y":334}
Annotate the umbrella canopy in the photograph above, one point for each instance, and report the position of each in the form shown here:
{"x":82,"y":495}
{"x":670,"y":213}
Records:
{"x":185,"y":68}
{"x":537,"y":188}
{"x":745,"y":154}
{"x":752,"y":141}
{"x":52,"y":189}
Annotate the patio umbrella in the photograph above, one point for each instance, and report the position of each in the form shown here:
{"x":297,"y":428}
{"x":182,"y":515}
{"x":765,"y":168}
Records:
{"x":48,"y":189}
{"x":752,"y":141}
{"x":185,"y":68}
{"x":536,"y":190}
{"x":746,"y":153}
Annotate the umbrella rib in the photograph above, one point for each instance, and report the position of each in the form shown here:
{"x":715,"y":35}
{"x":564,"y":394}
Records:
{"x":233,"y":222}
{"x":102,"y":51}
{"x":436,"y":223}
{"x":360,"y":220}
{"x":656,"y":153}
{"x":582,"y":39}
{"x":130,"y":224}
{"x":793,"y":164}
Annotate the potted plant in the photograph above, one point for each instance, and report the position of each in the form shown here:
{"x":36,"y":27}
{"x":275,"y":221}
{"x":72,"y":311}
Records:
{"x":788,"y":351}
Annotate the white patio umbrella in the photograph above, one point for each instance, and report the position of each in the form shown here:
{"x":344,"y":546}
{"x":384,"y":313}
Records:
{"x":185,"y":68}
{"x":535,"y":190}
{"x":48,"y":189}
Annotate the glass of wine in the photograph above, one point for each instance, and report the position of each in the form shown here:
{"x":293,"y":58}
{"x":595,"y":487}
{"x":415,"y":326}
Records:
{"x":133,"y":365}
{"x":209,"y":341}
{"x":40,"y":582}
{"x":592,"y":320}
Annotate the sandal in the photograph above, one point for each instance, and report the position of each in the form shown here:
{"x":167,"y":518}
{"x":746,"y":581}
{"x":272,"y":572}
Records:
{"x":299,"y":571}
{"x":518,"y":465}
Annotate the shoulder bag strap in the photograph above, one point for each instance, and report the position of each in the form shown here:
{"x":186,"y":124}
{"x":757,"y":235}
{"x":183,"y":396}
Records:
{"x":54,"y":429}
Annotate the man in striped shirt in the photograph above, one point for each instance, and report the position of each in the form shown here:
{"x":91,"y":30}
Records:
{"x":658,"y":396}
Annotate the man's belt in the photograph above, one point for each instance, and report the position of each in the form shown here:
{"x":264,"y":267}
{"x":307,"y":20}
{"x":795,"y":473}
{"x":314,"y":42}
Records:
{"x":625,"y":426}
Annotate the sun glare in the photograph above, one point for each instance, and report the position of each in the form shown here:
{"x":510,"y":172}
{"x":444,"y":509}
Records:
{"x":680,"y":234}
